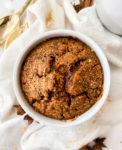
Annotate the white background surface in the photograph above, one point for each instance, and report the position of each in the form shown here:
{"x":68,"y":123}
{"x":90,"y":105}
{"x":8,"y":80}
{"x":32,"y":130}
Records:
{"x":15,"y":133}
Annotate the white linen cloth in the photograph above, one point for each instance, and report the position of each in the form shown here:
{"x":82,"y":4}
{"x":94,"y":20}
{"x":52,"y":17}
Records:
{"x":15,"y":134}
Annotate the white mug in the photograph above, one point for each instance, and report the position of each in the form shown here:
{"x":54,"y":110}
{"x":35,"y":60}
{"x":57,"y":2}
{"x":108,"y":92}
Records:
{"x":110,"y":14}
{"x":50,"y":121}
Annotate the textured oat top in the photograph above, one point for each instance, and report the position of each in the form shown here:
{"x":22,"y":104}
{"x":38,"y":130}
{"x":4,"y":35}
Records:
{"x":61,"y":78}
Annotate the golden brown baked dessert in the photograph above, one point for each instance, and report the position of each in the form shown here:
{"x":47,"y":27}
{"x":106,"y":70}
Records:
{"x":61,"y":78}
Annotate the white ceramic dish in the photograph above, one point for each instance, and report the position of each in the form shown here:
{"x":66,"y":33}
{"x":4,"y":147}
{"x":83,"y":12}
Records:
{"x":110,"y":14}
{"x":88,"y":114}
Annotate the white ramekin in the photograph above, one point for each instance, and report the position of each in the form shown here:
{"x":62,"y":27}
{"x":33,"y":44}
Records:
{"x":41,"y":118}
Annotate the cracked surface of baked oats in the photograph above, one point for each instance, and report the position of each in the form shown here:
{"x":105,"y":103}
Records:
{"x":61,"y":78}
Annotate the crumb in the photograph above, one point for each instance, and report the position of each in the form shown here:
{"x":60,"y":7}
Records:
{"x":82,"y":4}
{"x":29,"y":119}
{"x":98,"y":145}
{"x":109,"y":98}
{"x":18,"y":109}
{"x":49,"y":19}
